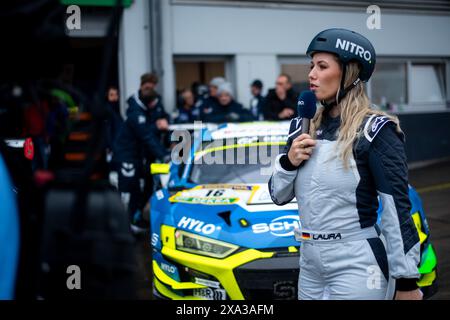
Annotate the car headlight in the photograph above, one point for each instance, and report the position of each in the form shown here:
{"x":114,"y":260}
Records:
{"x":194,"y":243}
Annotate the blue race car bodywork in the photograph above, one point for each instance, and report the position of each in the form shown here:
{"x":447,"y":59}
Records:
{"x":225,"y":239}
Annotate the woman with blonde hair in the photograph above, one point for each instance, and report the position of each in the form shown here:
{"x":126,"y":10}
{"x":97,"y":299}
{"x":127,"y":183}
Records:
{"x":352,"y":157}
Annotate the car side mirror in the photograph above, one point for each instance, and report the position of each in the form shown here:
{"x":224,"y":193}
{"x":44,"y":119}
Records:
{"x":160,"y":168}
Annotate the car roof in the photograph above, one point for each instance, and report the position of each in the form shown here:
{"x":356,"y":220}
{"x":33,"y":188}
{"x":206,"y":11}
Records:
{"x":250,"y":129}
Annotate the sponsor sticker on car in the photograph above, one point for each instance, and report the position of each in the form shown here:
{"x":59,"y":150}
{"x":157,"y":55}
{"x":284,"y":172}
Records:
{"x":197,"y":225}
{"x":207,"y":201}
{"x":208,"y":283}
{"x":219,"y":194}
{"x":210,"y":294}
{"x":283,"y":226}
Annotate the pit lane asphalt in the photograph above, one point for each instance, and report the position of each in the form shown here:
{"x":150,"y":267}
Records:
{"x":432,"y":183}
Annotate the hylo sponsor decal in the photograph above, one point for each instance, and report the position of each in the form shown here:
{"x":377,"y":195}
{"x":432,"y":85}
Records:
{"x":197,"y":226}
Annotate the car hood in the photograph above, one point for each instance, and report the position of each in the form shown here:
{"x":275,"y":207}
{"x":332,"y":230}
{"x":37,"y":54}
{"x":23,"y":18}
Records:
{"x":239,"y":214}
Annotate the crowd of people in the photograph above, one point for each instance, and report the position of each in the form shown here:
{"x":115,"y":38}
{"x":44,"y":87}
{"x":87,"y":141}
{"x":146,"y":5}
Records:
{"x":137,"y":134}
{"x":142,"y":137}
{"x":218,"y":104}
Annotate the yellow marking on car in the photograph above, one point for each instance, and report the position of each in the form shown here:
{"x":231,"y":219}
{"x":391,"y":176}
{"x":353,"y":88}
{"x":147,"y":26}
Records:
{"x":243,"y":222}
{"x":203,"y":200}
{"x":418,"y":223}
{"x":201,"y":153}
{"x":168,"y":236}
{"x":427,"y":279}
{"x":237,"y":187}
{"x":255,"y":189}
{"x":186,"y":196}
{"x":160,"y":168}
{"x":166,"y":292}
{"x":164,"y":278}
{"x":221,"y":269}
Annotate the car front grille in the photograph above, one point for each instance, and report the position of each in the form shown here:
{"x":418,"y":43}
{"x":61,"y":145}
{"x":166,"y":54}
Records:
{"x":274,"y":278}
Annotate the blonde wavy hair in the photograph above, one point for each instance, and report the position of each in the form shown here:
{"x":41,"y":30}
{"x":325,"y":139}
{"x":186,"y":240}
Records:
{"x":354,"y":107}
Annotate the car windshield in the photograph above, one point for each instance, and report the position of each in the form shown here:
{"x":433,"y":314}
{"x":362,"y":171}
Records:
{"x":248,"y":161}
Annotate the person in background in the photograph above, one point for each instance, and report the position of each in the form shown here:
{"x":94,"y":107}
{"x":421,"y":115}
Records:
{"x":201,"y":93}
{"x":137,"y":144}
{"x":158,"y":115}
{"x":158,"y":119}
{"x":114,"y":122}
{"x":281,"y":102}
{"x":257,"y":100}
{"x":227,"y":109}
{"x":211,"y":102}
{"x":199,"y":90}
{"x":186,"y":107}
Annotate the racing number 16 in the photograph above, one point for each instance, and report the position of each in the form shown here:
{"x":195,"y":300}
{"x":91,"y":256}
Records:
{"x":215,"y":193}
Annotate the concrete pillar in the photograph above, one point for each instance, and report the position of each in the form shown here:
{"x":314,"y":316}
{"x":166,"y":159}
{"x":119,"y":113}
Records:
{"x":168,"y":76}
{"x":134,"y":48}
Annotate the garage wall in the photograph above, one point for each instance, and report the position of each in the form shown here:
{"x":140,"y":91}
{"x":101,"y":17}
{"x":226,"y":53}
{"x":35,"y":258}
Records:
{"x":239,"y":30}
{"x":258,"y":36}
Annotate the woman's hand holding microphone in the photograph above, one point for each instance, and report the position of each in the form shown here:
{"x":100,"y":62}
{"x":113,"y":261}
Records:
{"x":301,"y":149}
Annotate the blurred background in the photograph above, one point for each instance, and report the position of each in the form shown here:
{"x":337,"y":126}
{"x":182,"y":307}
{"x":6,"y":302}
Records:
{"x":186,"y":45}
{"x":193,"y":41}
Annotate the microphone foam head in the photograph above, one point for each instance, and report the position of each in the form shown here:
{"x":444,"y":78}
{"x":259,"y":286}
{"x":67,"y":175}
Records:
{"x":307,"y":104}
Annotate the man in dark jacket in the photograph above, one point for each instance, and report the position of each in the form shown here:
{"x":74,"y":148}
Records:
{"x":137,"y":141}
{"x":186,"y":107}
{"x":281,"y":102}
{"x":257,"y":100}
{"x":158,"y":115}
{"x":227,"y":110}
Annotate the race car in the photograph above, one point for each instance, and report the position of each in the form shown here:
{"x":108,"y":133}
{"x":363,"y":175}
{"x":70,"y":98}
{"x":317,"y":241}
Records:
{"x":217,"y":235}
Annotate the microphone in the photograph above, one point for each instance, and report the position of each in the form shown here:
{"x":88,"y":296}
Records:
{"x":306,"y":107}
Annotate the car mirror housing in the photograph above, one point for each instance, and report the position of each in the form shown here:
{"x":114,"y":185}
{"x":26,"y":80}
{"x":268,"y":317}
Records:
{"x":160,"y":168}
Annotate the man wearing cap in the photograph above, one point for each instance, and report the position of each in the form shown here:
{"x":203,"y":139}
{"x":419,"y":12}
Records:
{"x":158,"y":115}
{"x":227,"y":109}
{"x":138,"y":142}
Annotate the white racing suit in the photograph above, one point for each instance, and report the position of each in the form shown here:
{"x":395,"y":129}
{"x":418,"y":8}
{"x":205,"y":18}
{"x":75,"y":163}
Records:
{"x":344,"y":253}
